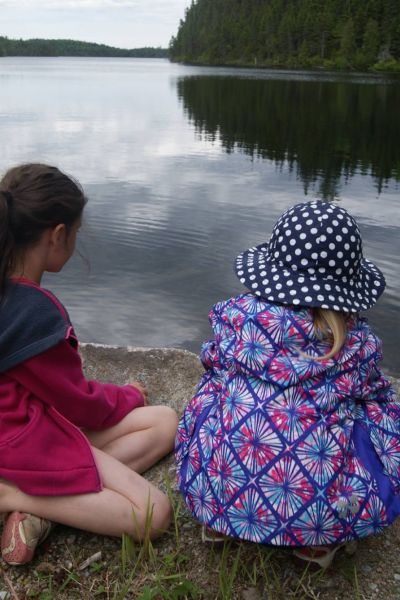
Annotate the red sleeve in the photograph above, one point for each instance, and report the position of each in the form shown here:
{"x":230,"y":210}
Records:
{"x":56,"y":378}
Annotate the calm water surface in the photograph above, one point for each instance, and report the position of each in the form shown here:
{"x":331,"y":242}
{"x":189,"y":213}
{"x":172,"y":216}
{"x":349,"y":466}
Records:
{"x":185,"y":167}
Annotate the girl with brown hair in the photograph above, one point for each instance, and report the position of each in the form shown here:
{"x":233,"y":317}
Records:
{"x":72,"y":450}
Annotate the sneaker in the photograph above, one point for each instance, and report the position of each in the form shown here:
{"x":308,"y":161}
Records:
{"x":323,"y":555}
{"x":22,"y":532}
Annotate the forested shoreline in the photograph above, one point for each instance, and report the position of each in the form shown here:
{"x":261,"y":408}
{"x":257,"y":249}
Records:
{"x":328,"y":34}
{"x":44,"y":47}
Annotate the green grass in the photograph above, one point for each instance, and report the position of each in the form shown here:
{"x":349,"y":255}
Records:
{"x":178,"y":566}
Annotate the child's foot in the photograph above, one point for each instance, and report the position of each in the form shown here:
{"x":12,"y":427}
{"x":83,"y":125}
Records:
{"x":22,"y":532}
{"x":323,"y":555}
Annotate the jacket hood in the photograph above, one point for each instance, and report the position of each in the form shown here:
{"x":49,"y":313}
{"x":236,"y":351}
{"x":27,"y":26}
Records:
{"x":269,"y":341}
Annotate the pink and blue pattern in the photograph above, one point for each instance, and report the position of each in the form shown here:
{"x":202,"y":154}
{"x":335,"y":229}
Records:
{"x":282,"y":449}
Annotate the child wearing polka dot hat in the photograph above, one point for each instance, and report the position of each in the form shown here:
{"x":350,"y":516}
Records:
{"x":293,"y":435}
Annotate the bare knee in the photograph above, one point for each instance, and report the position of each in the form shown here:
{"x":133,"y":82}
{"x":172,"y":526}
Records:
{"x":167,"y":424}
{"x":161,"y":519}
{"x":154,"y":521}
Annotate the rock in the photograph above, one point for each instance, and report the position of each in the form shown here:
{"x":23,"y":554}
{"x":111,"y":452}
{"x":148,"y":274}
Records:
{"x":366,"y":568}
{"x":251,"y":594}
{"x":373,"y":587}
{"x":169,"y":374}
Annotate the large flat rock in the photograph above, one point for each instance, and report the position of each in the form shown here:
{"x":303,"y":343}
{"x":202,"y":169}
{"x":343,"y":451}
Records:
{"x":169,"y":374}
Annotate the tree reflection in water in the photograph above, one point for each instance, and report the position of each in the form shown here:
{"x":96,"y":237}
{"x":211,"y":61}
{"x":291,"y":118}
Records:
{"x":325,"y":130}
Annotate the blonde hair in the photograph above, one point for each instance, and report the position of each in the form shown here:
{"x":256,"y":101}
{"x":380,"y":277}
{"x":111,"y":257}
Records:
{"x":330,"y":325}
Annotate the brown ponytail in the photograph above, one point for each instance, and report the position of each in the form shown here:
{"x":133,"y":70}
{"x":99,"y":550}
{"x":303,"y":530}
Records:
{"x":6,"y":238}
{"x":33,"y":197}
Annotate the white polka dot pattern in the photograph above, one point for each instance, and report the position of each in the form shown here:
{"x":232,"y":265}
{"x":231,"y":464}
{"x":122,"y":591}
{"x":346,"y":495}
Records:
{"x":314,"y":258}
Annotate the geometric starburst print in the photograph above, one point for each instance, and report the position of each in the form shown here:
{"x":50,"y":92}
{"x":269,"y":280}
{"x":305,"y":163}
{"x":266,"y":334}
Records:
{"x":253,"y":348}
{"x":236,"y":401}
{"x":316,"y":526}
{"x":255,"y":442}
{"x":193,"y":463}
{"x":381,"y":416}
{"x":274,"y":321}
{"x":387,"y":447}
{"x":352,"y":486}
{"x":249,"y":518}
{"x":204,"y":504}
{"x":321,"y":455}
{"x":268,"y":449}
{"x":210,"y":436}
{"x":225,"y":474}
{"x":373,"y":518}
{"x":286,"y":487}
{"x":284,"y":370}
{"x":292,"y":413}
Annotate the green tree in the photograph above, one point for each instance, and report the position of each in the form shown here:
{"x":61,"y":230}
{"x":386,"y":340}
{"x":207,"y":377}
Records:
{"x":371,"y":42}
{"x":348,"y":43}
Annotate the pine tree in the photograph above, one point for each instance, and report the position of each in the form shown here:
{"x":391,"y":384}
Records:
{"x":371,"y":42}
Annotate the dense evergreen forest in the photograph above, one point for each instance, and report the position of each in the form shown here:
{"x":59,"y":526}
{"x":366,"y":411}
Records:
{"x":40,"y":47}
{"x":331,"y":34}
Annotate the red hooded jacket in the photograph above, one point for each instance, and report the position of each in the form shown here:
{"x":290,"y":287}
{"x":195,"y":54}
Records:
{"x":45,"y":399}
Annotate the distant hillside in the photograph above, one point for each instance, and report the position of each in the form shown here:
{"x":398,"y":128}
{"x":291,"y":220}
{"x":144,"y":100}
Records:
{"x":338,"y":34}
{"x":41,"y":47}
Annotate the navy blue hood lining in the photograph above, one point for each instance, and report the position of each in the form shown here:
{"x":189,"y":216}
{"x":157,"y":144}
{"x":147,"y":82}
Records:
{"x":30,"y":323}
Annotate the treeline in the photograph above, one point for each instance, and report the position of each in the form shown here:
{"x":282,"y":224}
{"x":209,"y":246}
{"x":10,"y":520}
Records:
{"x":338,"y":34}
{"x":42,"y":47}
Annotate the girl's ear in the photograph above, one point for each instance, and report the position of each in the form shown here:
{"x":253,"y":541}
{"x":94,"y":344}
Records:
{"x":58,"y":235}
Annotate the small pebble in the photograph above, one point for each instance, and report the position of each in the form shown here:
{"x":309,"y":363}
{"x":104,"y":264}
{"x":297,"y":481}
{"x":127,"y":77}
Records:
{"x":373,"y":586}
{"x":251,"y":594}
{"x":366,"y":568}
{"x":397,"y":576}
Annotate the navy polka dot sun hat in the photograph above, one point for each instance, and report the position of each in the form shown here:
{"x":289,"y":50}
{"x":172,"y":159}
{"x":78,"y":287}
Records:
{"x":314,"y":258}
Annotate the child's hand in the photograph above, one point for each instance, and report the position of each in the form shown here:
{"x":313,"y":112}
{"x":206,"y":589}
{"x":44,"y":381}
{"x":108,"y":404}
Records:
{"x":139,"y":386}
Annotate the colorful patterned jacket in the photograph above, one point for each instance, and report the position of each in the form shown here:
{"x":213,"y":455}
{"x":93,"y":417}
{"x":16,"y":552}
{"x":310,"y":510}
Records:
{"x":279,"y":448}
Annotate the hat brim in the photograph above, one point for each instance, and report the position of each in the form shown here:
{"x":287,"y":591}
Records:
{"x":275,"y":282}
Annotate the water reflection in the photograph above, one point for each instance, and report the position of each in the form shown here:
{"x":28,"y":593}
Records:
{"x":324,"y":130}
{"x":169,"y":208}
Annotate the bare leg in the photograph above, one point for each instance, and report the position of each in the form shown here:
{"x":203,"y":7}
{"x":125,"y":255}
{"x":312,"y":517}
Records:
{"x":140,"y":439}
{"x":122,"y":506}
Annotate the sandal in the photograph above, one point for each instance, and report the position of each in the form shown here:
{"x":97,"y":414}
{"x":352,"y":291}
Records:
{"x":323,"y":555}
{"x":209,"y":535}
{"x":22,"y":532}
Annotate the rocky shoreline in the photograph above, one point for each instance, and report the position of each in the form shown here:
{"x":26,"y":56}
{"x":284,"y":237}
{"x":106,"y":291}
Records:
{"x":74,"y":564}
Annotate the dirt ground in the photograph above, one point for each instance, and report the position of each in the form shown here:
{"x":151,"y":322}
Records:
{"x":180,"y":565}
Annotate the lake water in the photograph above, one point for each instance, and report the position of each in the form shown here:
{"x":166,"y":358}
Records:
{"x":187,"y":166}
